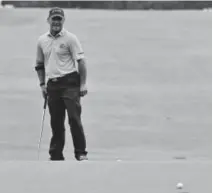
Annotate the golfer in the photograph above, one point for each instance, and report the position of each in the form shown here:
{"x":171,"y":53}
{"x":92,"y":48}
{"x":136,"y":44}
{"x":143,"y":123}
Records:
{"x":62,"y":73}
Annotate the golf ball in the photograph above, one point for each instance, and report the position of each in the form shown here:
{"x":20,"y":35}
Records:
{"x":179,"y":185}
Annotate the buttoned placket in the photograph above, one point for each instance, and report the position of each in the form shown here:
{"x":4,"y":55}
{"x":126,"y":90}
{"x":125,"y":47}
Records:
{"x":53,"y":40}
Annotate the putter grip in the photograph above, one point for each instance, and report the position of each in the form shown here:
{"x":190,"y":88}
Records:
{"x":45,"y":102}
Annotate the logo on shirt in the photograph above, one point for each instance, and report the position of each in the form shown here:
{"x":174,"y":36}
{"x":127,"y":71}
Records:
{"x":62,"y":46}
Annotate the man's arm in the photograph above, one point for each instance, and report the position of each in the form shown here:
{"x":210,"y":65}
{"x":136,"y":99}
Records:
{"x":41,"y":70}
{"x":40,"y":65}
{"x":82,"y":71}
{"x":78,"y":54}
{"x":41,"y":73}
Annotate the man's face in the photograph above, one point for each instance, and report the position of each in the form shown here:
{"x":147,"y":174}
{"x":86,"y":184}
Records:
{"x":56,"y":23}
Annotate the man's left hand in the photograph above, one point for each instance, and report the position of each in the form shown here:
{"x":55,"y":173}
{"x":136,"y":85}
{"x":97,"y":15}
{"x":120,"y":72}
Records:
{"x":83,"y":90}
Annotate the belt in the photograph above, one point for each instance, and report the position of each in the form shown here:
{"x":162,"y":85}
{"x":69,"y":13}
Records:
{"x":57,"y":79}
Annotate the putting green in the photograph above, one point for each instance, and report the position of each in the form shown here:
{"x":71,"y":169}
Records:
{"x":149,"y":102}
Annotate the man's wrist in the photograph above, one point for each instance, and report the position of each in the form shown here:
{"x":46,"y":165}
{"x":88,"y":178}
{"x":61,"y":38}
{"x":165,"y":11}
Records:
{"x":83,"y":81}
{"x":42,"y":83}
{"x":83,"y":84}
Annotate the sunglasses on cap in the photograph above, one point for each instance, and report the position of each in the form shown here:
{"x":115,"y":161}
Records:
{"x":56,"y":18}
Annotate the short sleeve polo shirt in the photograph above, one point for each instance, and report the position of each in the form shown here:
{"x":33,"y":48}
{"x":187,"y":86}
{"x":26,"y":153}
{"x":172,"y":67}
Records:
{"x":59,"y":54}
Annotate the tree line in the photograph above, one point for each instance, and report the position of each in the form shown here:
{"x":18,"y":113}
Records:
{"x":144,"y":5}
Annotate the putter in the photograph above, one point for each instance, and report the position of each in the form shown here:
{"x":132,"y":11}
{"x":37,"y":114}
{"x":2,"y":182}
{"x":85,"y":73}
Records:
{"x":42,"y":124}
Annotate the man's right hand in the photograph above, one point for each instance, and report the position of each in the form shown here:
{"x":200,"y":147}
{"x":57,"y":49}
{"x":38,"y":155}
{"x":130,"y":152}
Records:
{"x":44,"y":91}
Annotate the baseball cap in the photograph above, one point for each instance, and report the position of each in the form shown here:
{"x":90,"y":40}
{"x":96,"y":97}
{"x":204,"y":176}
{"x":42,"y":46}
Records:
{"x":56,"y":11}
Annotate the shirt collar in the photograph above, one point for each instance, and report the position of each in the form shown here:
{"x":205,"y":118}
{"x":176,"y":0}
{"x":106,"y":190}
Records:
{"x":61,"y":33}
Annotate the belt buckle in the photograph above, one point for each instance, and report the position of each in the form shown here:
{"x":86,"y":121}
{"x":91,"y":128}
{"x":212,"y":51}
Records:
{"x":54,"y":79}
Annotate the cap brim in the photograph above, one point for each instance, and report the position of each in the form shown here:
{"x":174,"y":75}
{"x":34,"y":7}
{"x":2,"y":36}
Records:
{"x":56,"y":15}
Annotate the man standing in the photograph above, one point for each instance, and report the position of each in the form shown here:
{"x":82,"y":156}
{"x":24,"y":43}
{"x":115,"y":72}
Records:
{"x":61,"y":70}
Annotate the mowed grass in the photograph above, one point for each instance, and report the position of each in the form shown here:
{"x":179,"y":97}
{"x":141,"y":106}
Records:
{"x":149,"y":101}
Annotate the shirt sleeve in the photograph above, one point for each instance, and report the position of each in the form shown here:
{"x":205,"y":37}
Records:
{"x":39,"y":55}
{"x":76,"y":48}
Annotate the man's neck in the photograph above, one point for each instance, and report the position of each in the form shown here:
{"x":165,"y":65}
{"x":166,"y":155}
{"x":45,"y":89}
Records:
{"x":54,"y":33}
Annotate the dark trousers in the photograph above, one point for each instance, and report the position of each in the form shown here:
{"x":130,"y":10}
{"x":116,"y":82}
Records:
{"x":64,"y":95}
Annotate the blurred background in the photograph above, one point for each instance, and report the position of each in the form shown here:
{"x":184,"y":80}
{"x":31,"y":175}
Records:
{"x":114,"y":4}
